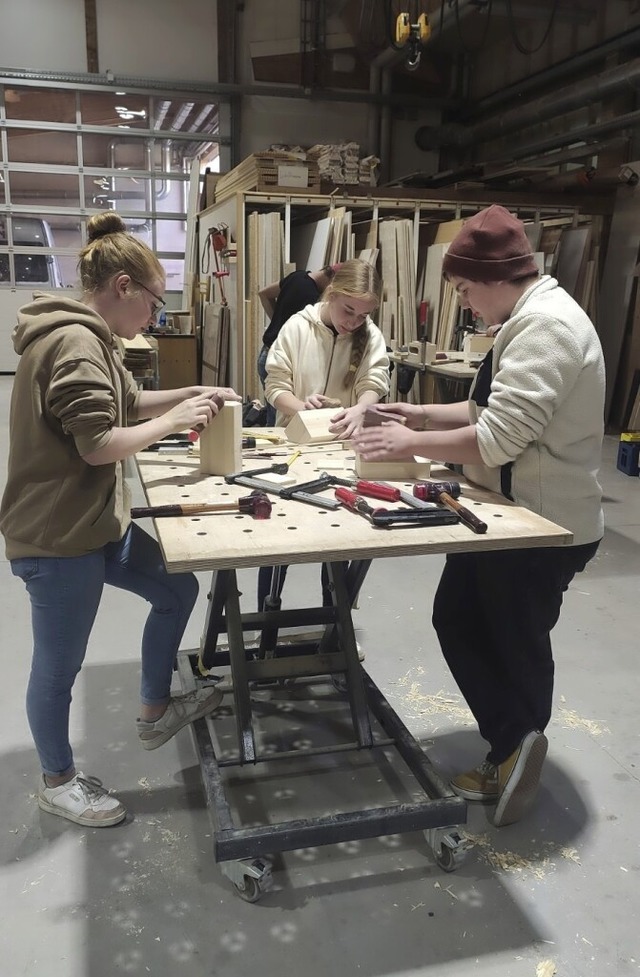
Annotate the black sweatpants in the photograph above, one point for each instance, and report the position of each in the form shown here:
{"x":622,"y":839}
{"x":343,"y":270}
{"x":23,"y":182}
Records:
{"x":493,"y":613}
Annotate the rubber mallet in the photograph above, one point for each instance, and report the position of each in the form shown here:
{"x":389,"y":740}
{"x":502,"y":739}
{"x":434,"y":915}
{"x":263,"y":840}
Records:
{"x":446,"y":494}
{"x":258,"y":505}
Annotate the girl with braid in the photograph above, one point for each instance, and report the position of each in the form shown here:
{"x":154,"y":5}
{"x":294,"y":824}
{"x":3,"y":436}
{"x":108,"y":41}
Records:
{"x":332,"y":352}
{"x":326,"y":355}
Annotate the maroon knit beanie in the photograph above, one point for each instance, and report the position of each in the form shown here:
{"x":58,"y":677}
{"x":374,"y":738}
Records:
{"x":491,"y":247}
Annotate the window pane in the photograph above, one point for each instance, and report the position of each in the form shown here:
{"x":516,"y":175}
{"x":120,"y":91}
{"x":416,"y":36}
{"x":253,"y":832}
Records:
{"x":3,"y":195}
{"x":114,"y":109}
{"x":183,"y":114}
{"x":174,"y":270}
{"x":40,"y":190}
{"x":124,"y":193}
{"x":43,"y":231}
{"x":41,"y":146}
{"x":171,"y":236}
{"x":40,"y":104}
{"x":171,"y":196}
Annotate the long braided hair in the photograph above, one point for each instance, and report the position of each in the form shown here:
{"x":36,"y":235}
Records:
{"x":355,"y":279}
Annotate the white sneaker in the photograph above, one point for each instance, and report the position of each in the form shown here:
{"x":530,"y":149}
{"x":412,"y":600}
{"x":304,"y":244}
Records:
{"x":83,"y":800}
{"x":182,"y":710}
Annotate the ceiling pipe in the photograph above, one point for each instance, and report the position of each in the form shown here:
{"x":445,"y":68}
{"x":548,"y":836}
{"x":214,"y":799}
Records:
{"x":557,"y":103}
{"x":628,"y":121}
{"x":143,"y":86}
{"x":570,"y":66}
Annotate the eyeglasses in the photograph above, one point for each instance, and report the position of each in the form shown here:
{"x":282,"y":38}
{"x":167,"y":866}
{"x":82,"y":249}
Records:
{"x":160,"y":303}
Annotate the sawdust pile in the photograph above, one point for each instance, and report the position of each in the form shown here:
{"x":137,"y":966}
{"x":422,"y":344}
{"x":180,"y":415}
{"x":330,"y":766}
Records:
{"x":417,"y":704}
{"x":569,"y":719}
{"x":537,"y":864}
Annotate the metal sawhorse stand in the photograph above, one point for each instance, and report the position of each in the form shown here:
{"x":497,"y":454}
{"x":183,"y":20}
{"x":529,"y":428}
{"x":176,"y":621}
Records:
{"x":334,"y":655}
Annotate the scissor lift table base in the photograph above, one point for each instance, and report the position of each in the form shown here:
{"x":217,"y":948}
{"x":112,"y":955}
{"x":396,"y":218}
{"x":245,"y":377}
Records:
{"x":438,"y":813}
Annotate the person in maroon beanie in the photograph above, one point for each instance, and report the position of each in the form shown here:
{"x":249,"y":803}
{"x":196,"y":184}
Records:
{"x":532,"y":431}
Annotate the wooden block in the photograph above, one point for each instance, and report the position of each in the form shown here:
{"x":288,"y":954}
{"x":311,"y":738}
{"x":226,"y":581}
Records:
{"x":221,"y":442}
{"x":395,"y":471}
{"x":373,"y":417}
{"x":282,"y":480}
{"x":311,"y":426}
{"x":474,"y":346}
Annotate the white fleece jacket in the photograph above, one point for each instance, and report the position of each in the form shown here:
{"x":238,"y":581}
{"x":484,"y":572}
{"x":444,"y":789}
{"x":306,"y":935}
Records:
{"x":542,"y":423}
{"x":307,"y":358}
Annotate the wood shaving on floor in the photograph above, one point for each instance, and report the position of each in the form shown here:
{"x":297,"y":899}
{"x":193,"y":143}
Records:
{"x":546,"y":968}
{"x":538,"y":863}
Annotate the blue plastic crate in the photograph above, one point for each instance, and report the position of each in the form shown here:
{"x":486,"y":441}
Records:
{"x":628,"y":458}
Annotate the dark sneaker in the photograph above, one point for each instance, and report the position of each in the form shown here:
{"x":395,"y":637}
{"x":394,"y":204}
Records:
{"x":518,"y":779}
{"x":83,"y":800}
{"x":479,"y":784}
{"x":182,"y":710}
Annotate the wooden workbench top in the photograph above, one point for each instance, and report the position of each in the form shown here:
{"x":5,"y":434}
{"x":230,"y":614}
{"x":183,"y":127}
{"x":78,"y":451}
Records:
{"x":301,"y":533}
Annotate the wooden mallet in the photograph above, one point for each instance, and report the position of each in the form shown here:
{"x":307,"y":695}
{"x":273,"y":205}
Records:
{"x":258,"y":505}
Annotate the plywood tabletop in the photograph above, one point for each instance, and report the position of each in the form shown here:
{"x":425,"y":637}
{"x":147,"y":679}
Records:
{"x":301,"y":533}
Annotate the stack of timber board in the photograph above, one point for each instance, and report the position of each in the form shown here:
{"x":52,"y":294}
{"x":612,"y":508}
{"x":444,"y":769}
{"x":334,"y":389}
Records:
{"x":286,"y":172}
{"x":140,"y":356}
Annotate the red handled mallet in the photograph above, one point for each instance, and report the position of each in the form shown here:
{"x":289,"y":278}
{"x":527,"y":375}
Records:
{"x":258,"y":505}
{"x":446,"y":494}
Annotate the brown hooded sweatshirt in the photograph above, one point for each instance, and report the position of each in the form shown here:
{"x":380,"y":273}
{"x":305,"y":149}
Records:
{"x":70,"y":390}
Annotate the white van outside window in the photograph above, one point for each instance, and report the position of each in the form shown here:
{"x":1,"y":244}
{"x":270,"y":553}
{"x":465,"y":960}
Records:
{"x":30,"y":269}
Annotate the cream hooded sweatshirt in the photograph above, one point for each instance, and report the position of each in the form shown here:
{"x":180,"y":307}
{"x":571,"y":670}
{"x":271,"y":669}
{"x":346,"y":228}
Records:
{"x":309,"y":358}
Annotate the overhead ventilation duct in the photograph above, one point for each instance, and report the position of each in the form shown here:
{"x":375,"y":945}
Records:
{"x":583,"y":93}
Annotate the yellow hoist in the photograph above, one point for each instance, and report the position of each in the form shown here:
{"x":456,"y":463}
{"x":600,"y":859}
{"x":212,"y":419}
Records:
{"x":412,"y":36}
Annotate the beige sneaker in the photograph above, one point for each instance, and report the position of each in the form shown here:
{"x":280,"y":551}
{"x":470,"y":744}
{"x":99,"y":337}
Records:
{"x":182,"y":710}
{"x":518,"y":779}
{"x":479,"y":784}
{"x":83,"y":800}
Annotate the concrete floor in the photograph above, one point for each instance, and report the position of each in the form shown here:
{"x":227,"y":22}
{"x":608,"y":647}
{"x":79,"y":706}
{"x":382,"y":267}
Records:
{"x":555,"y":891}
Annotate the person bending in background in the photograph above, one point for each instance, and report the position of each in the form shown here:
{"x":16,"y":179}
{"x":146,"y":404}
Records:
{"x":65,"y":509}
{"x":532,"y":430}
{"x":330,"y":351}
{"x":280,"y":301}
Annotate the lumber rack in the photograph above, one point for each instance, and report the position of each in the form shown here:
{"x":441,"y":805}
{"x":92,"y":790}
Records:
{"x":329,"y":657}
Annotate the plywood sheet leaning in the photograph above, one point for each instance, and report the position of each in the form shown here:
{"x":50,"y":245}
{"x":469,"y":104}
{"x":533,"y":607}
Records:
{"x":389,"y":274}
{"x":309,"y":244}
{"x":311,"y":426}
{"x":265,"y":266}
{"x":409,"y":282}
{"x":433,"y":288}
{"x":626,"y":390}
{"x":572,"y":259}
{"x":211,"y":333}
{"x":221,"y":442}
{"x":447,"y":230}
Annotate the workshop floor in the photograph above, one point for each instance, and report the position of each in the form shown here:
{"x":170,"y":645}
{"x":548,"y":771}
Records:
{"x":551,"y":895}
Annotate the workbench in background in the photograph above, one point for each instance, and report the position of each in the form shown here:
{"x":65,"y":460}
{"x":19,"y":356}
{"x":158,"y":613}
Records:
{"x":354,"y":727}
{"x":445,"y":382}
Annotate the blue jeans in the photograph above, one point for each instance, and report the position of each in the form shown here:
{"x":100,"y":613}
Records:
{"x":262,"y":373}
{"x":65,"y":593}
